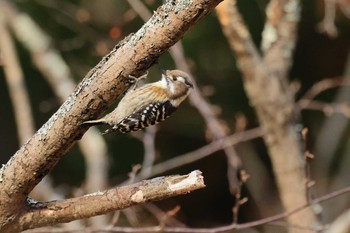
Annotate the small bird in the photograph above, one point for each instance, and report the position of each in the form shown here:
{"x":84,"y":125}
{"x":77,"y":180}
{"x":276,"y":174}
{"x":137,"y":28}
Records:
{"x":148,"y":105}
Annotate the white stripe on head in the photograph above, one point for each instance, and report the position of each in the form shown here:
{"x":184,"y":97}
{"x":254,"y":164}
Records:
{"x":181,"y":79}
{"x":164,"y":82}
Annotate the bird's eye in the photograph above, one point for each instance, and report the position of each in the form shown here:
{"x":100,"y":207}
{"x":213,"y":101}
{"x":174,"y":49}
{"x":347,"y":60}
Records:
{"x":174,"y":78}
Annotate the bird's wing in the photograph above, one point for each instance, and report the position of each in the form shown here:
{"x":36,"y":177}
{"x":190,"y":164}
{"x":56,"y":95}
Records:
{"x":150,"y":114}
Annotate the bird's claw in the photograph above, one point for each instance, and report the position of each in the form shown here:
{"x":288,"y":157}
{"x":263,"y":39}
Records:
{"x":134,"y":80}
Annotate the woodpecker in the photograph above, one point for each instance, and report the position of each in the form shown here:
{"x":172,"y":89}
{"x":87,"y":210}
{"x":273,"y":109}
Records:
{"x":148,"y":105}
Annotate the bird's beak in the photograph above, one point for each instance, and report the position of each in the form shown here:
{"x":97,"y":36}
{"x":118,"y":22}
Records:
{"x":190,"y":84}
{"x":164,"y":75}
{"x":163,"y":71}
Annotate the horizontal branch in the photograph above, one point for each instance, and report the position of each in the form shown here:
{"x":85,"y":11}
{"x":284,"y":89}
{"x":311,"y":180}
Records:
{"x":230,"y":227}
{"x":54,"y":212}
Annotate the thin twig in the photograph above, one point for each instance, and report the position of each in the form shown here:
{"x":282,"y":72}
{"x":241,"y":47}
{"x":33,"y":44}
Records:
{"x":327,"y":25}
{"x":148,"y":140}
{"x":324,"y":85}
{"x":286,"y":225}
{"x":244,"y":176}
{"x":204,"y":151}
{"x":169,"y":214}
{"x":140,"y":9}
{"x":307,"y":101}
{"x":327,"y":108}
{"x":159,"y":213}
{"x":308,"y":156}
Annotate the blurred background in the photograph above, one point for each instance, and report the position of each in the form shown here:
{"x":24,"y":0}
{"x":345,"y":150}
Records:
{"x":81,"y":32}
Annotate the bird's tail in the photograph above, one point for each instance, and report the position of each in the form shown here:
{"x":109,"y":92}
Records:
{"x":111,"y":130}
{"x":93,"y":122}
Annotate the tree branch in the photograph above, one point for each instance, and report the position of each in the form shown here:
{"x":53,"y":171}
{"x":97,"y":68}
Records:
{"x":226,"y":228}
{"x":266,"y":84}
{"x":199,"y":102}
{"x":16,"y":84}
{"x":50,"y":213}
{"x":209,"y":149}
{"x":99,"y":89}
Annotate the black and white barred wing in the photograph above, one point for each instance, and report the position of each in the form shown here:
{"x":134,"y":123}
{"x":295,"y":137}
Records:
{"x":148,"y":115}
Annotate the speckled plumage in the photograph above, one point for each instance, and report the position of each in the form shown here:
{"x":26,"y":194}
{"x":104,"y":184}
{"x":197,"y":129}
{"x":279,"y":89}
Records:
{"x":149,"y":104}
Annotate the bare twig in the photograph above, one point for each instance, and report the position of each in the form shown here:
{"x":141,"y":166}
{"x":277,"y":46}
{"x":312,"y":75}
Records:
{"x":308,"y":156}
{"x":204,"y":151}
{"x":328,"y":138}
{"x":306,"y":229}
{"x":140,"y":9}
{"x":327,"y":108}
{"x":115,"y":219}
{"x":133,"y":173}
{"x":132,"y":216}
{"x":239,"y":201}
{"x":167,"y":215}
{"x":327,"y":26}
{"x":307,"y":101}
{"x":158,"y":213}
{"x":324,"y":85}
{"x":150,"y":151}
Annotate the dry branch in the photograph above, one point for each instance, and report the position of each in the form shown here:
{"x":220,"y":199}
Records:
{"x":228,"y":228}
{"x":266,"y":84}
{"x":50,"y":213}
{"x":327,"y":25}
{"x":16,"y":84}
{"x":209,"y":149}
{"x":98,"y":90}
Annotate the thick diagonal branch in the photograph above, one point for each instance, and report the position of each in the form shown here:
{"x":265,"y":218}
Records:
{"x":99,"y":89}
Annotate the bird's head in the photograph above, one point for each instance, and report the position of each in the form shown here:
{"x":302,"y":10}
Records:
{"x":178,"y":83}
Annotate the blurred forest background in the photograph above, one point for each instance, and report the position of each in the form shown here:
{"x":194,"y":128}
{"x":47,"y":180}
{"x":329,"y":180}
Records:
{"x":83,"y":31}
